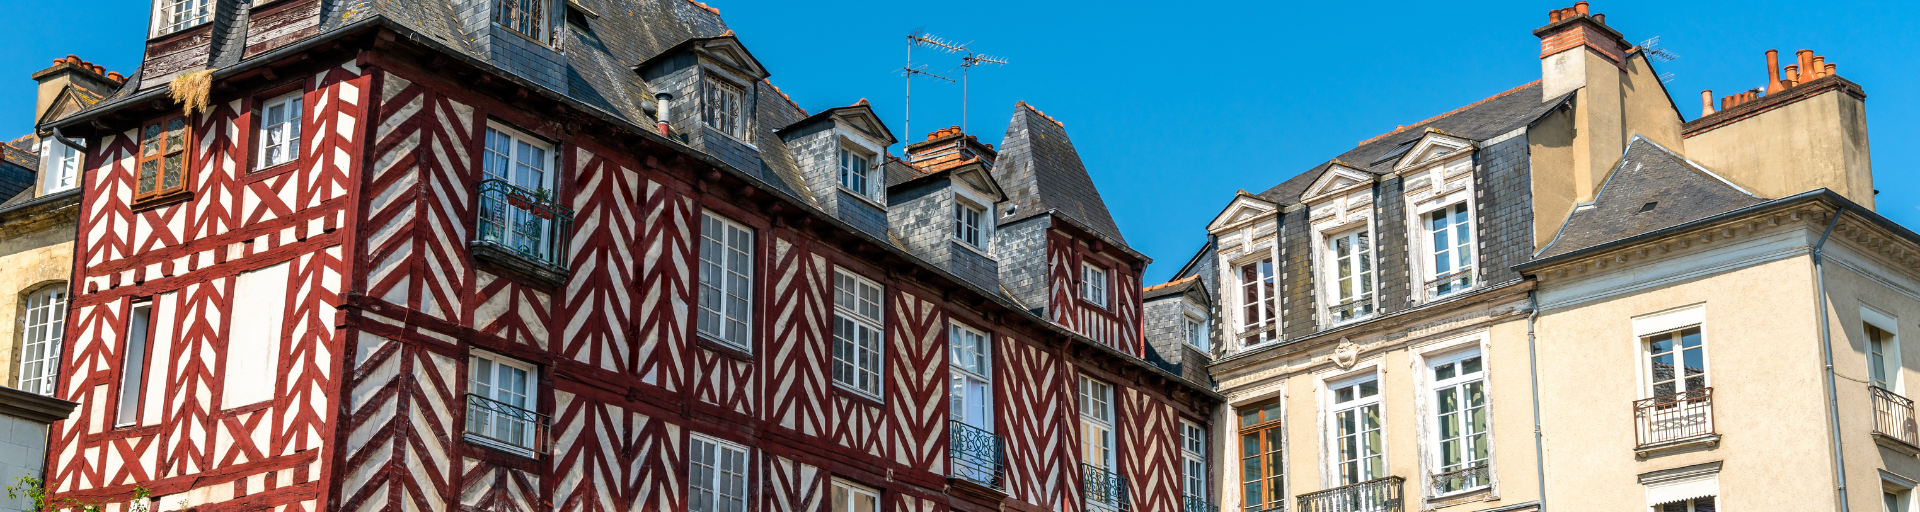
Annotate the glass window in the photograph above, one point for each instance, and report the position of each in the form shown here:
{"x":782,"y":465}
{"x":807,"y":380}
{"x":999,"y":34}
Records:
{"x":966,"y":224}
{"x":1093,"y":284}
{"x":1701,"y":504}
{"x":718,"y":482}
{"x":178,"y":15}
{"x":1197,"y":333}
{"x":1096,"y":423}
{"x":1350,"y":257}
{"x":1460,"y":410}
{"x":972,"y":395}
{"x":1452,"y":247}
{"x":1676,"y":362}
{"x":62,"y":169}
{"x":44,"y":325}
{"x":500,"y":410}
{"x":726,"y":280}
{"x":1883,"y":357}
{"x":164,"y":158}
{"x":855,"y":172}
{"x":1895,"y":500}
{"x":1359,"y":442}
{"x":857,"y":335}
{"x":524,"y":16}
{"x":853,"y":498}
{"x":723,"y":108}
{"x":1193,"y":460}
{"x":280,"y":130}
{"x":1261,"y":478}
{"x":133,"y":368}
{"x":1259,"y":302}
{"x":511,"y":217}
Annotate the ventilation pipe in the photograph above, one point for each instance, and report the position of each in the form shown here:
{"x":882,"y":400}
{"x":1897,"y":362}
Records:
{"x":665,"y":100}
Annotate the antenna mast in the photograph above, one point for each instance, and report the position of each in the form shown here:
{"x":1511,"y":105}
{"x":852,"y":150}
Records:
{"x":966,"y":65}
{"x":1657,"y":54}
{"x":919,"y":37}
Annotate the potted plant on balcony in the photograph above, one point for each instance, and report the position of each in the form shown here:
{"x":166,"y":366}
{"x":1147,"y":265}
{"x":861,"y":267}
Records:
{"x":543,"y":207}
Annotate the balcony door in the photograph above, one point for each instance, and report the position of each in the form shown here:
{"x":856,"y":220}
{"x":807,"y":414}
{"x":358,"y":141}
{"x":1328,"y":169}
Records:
{"x":1359,"y":442}
{"x":518,"y":189}
{"x":976,"y":446}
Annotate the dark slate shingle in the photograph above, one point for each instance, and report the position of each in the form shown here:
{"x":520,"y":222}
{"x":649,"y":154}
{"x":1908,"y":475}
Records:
{"x":1041,"y":171}
{"x":1651,"y":189}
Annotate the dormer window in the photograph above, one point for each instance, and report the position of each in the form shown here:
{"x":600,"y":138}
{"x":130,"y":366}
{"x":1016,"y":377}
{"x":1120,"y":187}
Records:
{"x":724,"y":104}
{"x":525,"y":17}
{"x":1093,"y":285}
{"x":854,"y":170}
{"x":178,"y":15}
{"x":967,"y":225}
{"x":1350,"y":261}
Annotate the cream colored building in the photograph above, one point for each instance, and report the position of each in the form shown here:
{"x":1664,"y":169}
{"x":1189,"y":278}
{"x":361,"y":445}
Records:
{"x":1566,"y":296}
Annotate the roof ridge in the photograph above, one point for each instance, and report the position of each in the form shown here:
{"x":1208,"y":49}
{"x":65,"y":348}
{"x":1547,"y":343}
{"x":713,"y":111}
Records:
{"x":1176,"y":282}
{"x":783,"y":94}
{"x":1450,"y":112}
{"x":1029,"y":106}
{"x":716,"y":12}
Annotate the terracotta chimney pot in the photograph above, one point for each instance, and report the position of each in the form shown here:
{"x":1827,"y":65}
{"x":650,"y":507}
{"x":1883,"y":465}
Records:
{"x":1600,"y":18}
{"x":1580,"y":7}
{"x":115,"y":76}
{"x":1553,"y":15}
{"x":1806,"y":65}
{"x":1819,"y":66}
{"x":1830,"y":69}
{"x":1706,"y":102}
{"x":1773,"y":72}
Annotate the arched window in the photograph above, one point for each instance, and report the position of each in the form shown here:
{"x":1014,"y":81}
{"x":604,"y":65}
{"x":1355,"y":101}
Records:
{"x":40,"y":345}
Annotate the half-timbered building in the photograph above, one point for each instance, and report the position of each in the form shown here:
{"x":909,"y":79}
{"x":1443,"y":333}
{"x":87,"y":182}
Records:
{"x":583,"y":255}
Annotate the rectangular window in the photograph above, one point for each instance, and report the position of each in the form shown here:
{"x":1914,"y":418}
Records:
{"x":164,"y":157}
{"x":1895,"y":500}
{"x":966,"y":224}
{"x":1193,"y":460}
{"x":1261,"y":479}
{"x":856,"y":333}
{"x":1701,"y":504}
{"x":726,"y":281}
{"x":1883,"y":357}
{"x":62,"y":169}
{"x":1460,"y":409}
{"x":1350,"y":258}
{"x":854,"y":172}
{"x":1197,"y":333}
{"x":972,"y":394}
{"x":724,"y":103}
{"x":253,"y":345}
{"x":1359,"y":442}
{"x":718,"y":480}
{"x":518,"y":215}
{"x":133,"y":367}
{"x":178,"y":15}
{"x":528,"y":17}
{"x":280,"y":130}
{"x":500,"y":407}
{"x":1259,"y":303}
{"x":44,"y":328}
{"x":1093,"y":284}
{"x":1676,"y":362}
{"x":853,"y":498}
{"x":1096,"y":423}
{"x":1452,"y":235}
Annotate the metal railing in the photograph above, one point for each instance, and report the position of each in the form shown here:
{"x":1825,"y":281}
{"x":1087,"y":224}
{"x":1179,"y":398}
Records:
{"x":1458,"y":281}
{"x":495,"y":423}
{"x":977,"y":454}
{"x":1673,"y":417}
{"x":1893,"y":416}
{"x":1377,"y":495}
{"x":1470,"y":477}
{"x":1198,"y":504}
{"x":1353,"y":309}
{"x":528,"y":223}
{"x":1103,"y":489}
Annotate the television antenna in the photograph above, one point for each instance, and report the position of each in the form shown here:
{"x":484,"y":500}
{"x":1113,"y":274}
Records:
{"x":1657,"y":54}
{"x":920,"y":37}
{"x":966,"y":65}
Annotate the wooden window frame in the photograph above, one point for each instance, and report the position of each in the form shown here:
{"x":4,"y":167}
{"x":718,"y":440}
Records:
{"x":160,"y":192}
{"x":1268,"y":434}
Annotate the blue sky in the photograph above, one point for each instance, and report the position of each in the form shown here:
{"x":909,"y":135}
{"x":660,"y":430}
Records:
{"x":1176,"y":106}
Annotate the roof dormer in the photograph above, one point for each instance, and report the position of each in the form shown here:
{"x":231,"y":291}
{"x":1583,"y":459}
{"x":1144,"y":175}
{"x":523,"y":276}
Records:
{"x":841,"y":154}
{"x":1338,"y":179}
{"x":1433,"y":148}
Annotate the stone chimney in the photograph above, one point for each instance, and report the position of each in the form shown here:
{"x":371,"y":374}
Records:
{"x":91,"y":79}
{"x":947,"y":148}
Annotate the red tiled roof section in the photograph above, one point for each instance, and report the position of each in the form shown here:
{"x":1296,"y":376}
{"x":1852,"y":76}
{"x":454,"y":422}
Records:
{"x":709,"y":8}
{"x":1451,"y":112}
{"x":783,"y":94}
{"x":1176,"y":282}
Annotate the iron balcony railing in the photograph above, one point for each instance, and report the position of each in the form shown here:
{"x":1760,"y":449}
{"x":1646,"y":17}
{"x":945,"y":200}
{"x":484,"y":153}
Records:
{"x":1199,"y":504}
{"x":1103,"y":489}
{"x":497,"y":424}
{"x":1377,"y":495}
{"x":977,"y":454}
{"x":1349,"y":310}
{"x":1470,"y":477}
{"x":530,"y":224}
{"x":1682,"y":415}
{"x":1458,"y":281}
{"x":1893,"y":416}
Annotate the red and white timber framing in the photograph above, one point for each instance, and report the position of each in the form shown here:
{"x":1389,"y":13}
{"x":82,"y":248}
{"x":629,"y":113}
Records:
{"x":385,"y":302}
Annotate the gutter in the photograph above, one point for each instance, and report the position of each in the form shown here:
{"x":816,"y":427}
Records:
{"x":1826,"y":341}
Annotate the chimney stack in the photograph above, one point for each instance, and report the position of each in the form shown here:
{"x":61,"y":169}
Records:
{"x":71,"y":71}
{"x":1574,"y":28}
{"x":947,"y":148}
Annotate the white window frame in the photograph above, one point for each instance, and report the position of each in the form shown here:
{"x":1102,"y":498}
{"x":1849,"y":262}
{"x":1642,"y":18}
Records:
{"x":42,"y":334}
{"x":1193,"y":461}
{"x":134,"y":364}
{"x":62,"y":169}
{"x":1093,"y":284}
{"x":859,"y":334}
{"x":1198,"y":332}
{"x":970,"y":352}
{"x":1460,"y":276}
{"x":969,"y":224}
{"x":1461,"y":383}
{"x":1266,"y":290}
{"x":1884,"y":363}
{"x":856,"y":171}
{"x":1361,"y":402}
{"x":726,"y":307}
{"x":846,"y":497}
{"x":493,"y":430}
{"x":526,"y":162}
{"x":713,"y":455}
{"x":1096,"y":424}
{"x":283,"y":135}
{"x":723,"y":106}
{"x":170,"y":16}
{"x":1678,"y":352}
{"x":1365,"y":285}
{"x":1896,"y":493}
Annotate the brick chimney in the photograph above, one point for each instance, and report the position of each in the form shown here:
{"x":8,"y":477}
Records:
{"x":1568,"y":31}
{"x":91,"y":78}
{"x":947,"y":148}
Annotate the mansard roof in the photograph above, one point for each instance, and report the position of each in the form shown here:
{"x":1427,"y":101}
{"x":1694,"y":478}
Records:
{"x":1482,"y":120}
{"x":1651,"y":189}
{"x":1042,"y":172}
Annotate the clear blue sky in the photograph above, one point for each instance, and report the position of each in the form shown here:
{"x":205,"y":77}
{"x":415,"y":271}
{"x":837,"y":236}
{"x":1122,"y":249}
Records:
{"x":1176,"y":105}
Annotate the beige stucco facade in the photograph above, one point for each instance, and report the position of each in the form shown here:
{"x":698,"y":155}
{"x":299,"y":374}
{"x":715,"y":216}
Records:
{"x":1816,"y":142}
{"x":36,"y":252}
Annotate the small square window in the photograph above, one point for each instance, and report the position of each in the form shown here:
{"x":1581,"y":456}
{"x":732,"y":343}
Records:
{"x":526,"y":17}
{"x":177,"y":15}
{"x":279,"y":132}
{"x":725,"y":103}
{"x":165,"y":154}
{"x":1093,"y":285}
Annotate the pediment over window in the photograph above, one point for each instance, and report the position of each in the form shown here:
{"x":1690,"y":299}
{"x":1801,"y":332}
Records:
{"x":975,"y":176}
{"x":1435,"y":146}
{"x":726,"y":51}
{"x":1337,"y":179}
{"x":1244,"y":207}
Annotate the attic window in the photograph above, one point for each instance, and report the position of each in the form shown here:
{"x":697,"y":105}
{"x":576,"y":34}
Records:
{"x":177,"y":15}
{"x":1649,"y":206}
{"x":527,"y":17}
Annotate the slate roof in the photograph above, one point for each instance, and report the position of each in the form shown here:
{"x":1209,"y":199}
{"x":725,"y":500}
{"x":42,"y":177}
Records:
{"x":1651,"y":189}
{"x":1479,"y":121}
{"x":1174,"y":287}
{"x":1041,"y":171}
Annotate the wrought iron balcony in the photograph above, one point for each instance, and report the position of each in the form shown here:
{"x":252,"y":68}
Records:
{"x":1467,"y":478}
{"x":1455,"y":282}
{"x":977,"y":454}
{"x":1893,"y":416}
{"x":1377,"y":495}
{"x":1199,"y":504}
{"x":1674,"y":417}
{"x":1103,"y":489}
{"x":494,"y":423}
{"x":1351,"y":310}
{"x":525,"y":223}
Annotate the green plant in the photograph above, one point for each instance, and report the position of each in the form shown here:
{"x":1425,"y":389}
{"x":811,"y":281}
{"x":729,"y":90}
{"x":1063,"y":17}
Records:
{"x":544,"y":196}
{"x":35,"y":489}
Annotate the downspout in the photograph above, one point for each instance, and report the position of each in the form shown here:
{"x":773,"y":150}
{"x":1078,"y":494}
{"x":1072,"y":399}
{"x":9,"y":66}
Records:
{"x":1533,"y":368}
{"x":1826,"y":340}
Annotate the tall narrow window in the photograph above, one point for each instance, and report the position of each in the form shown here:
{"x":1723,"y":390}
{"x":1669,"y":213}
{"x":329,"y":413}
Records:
{"x":1093,"y":284}
{"x":501,"y":403}
{"x":1676,"y":362}
{"x":1261,"y":480}
{"x":254,"y":337}
{"x":516,"y":196}
{"x":1193,"y":460}
{"x":164,"y":157}
{"x":280,"y":130}
{"x":718,"y":480}
{"x":966,"y":224}
{"x":45,"y":323}
{"x":1350,"y":257}
{"x":856,"y":333}
{"x":726,"y":281}
{"x":1259,"y":303}
{"x":1452,"y":235}
{"x":1460,"y":409}
{"x":1096,"y":423}
{"x":854,"y":498}
{"x":133,"y":367}
{"x":854,"y":172}
{"x":62,"y":168}
{"x":527,"y":17}
{"x":724,"y":103}
{"x":1883,"y":358}
{"x":1197,"y":333}
{"x":178,"y":15}
{"x":972,"y":394}
{"x":1359,"y":446}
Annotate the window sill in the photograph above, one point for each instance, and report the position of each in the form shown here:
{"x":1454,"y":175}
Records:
{"x":729,"y":136}
{"x":970,"y":247}
{"x":497,"y":446}
{"x":861,"y":197}
{"x":272,"y":170}
{"x":258,"y":5}
{"x":1092,"y":304}
{"x":1700,"y":442}
{"x":161,"y":201}
{"x":723,"y":348}
{"x":165,"y":37}
{"x":529,"y":38}
{"x":857,"y":396}
{"x":1481,"y":493}
{"x":514,"y":262}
